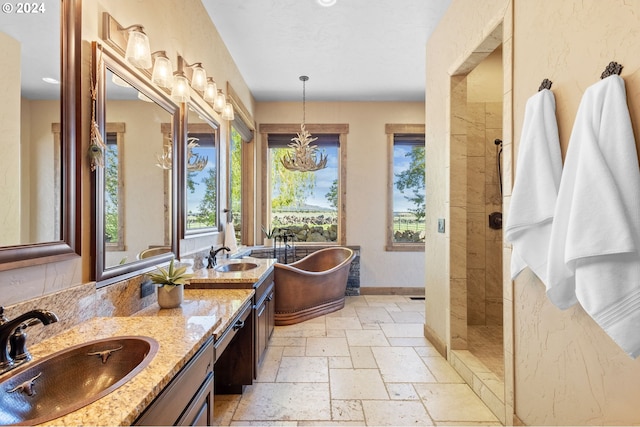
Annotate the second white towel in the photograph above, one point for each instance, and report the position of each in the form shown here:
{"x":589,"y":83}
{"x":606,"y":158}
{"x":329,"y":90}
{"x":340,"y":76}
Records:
{"x":595,"y":236}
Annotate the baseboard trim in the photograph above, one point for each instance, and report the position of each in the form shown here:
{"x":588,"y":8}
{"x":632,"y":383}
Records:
{"x":391,"y":291}
{"x":434,"y":339}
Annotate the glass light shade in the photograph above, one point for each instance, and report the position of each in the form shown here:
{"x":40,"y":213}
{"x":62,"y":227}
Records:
{"x":220,"y":102}
{"x":227,"y":112}
{"x":180,"y":91}
{"x":210,"y":91}
{"x":199,"y":78}
{"x":138,"y":52}
{"x":119,"y":81}
{"x":162,"y":72}
{"x":143,"y":97}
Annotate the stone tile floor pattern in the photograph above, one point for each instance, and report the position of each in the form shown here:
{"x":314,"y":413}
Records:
{"x":367,"y":364}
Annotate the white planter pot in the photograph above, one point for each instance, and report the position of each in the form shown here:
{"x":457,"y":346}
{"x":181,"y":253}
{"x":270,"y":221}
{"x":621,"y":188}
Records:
{"x":268,"y":242}
{"x":170,"y":298}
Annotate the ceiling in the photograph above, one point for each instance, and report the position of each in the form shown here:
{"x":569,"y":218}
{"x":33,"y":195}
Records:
{"x":355,"y":50}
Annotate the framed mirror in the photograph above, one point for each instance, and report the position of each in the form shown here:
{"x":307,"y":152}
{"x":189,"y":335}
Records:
{"x":199,"y":180}
{"x":135,"y":205}
{"x":40,"y":89}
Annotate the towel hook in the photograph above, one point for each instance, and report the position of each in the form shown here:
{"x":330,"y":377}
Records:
{"x":612,"y":68}
{"x":546,"y":84}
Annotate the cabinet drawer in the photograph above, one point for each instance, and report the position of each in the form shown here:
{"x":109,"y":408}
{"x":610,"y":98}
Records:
{"x":172,"y":402}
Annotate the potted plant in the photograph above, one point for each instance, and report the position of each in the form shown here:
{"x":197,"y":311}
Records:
{"x":268,"y":235}
{"x":170,"y":283}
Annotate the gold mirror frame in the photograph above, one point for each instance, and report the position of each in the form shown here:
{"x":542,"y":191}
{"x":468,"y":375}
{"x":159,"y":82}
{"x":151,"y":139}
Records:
{"x":19,"y":256}
{"x":102,"y":59}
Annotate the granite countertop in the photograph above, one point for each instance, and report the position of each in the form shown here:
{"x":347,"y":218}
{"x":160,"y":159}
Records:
{"x":180,"y":332}
{"x":210,"y":275}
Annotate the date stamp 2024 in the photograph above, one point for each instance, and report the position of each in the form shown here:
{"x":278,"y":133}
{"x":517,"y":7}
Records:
{"x":23,"y":8}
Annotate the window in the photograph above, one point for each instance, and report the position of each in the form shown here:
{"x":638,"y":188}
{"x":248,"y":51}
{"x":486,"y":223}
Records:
{"x":307,"y":204}
{"x":235,"y":182}
{"x":113,"y":189}
{"x":406,"y":194}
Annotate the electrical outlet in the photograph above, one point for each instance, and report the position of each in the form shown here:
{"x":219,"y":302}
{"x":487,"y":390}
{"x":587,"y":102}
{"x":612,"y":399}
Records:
{"x":147,"y":288}
{"x":440,"y":225}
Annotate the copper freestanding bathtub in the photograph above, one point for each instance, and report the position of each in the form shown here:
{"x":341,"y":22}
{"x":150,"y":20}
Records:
{"x":312,"y":286}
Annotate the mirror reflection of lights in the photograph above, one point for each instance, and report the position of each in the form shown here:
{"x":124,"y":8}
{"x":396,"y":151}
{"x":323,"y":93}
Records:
{"x":50,"y":80}
{"x":326,"y":3}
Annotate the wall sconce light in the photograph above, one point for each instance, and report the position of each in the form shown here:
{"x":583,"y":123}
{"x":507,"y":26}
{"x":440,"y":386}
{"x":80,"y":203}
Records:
{"x":138,"y":52}
{"x":130,"y":41}
{"x":210,"y":91}
{"x":220,"y":102}
{"x":227,"y":112}
{"x":180,"y":91}
{"x":195,"y":73}
{"x":198,"y":77}
{"x":162,"y":74}
{"x":116,"y":79}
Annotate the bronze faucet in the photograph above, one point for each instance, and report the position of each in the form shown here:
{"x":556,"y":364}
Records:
{"x":213,"y":254}
{"x":17,"y":326}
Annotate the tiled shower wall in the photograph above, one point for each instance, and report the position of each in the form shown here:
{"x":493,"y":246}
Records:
{"x":484,"y":244}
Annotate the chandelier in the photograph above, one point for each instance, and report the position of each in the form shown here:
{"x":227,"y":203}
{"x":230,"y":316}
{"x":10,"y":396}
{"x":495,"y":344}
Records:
{"x":195,"y":162}
{"x":303,"y":157}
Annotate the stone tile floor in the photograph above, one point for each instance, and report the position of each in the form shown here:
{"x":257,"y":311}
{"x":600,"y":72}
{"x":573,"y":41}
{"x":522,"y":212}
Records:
{"x":367,"y":364}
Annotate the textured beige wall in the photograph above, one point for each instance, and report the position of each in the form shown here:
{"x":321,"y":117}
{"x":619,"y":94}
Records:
{"x":367,"y":161}
{"x":10,"y":140}
{"x":459,"y":34}
{"x":566,"y":370}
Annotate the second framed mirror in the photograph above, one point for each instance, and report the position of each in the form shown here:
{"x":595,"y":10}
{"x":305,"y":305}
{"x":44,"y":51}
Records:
{"x":200,"y":176}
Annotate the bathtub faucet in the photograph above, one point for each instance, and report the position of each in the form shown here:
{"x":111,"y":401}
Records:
{"x":16,"y":327}
{"x":212,"y":255}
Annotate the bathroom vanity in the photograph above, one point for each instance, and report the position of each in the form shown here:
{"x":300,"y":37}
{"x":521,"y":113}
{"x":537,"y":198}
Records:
{"x":240,"y":365}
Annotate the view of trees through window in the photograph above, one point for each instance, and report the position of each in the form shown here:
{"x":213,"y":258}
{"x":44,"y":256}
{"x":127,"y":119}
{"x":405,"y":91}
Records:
{"x":111,"y":196}
{"x":202,"y":185}
{"x":236,"y":182}
{"x":305,"y":203}
{"x":409,"y":189}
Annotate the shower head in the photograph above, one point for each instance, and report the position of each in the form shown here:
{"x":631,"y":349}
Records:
{"x":498,"y":142}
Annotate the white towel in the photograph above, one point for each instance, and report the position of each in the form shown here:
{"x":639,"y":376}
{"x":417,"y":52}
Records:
{"x":593,"y":256}
{"x":535,"y":190}
{"x":230,"y":237}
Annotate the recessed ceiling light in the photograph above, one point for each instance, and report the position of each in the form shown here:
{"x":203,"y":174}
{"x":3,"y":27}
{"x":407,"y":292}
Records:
{"x":326,"y":3}
{"x":51,"y":80}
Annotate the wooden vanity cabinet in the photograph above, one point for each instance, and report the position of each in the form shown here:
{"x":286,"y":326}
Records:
{"x":263,"y":319}
{"x":234,"y":354}
{"x":188,"y":399}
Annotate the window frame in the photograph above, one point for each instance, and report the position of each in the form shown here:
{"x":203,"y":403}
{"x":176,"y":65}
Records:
{"x":391,"y":130}
{"x":315,"y":129}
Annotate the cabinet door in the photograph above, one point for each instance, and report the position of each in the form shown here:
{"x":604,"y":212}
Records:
{"x":261,"y":331}
{"x":200,"y":411}
{"x":271,"y":312}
